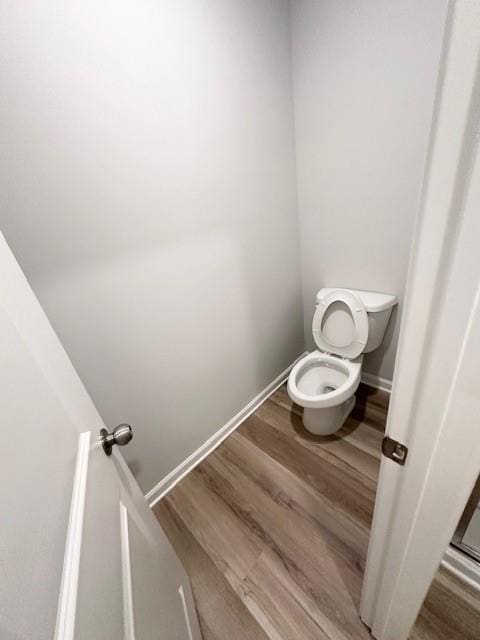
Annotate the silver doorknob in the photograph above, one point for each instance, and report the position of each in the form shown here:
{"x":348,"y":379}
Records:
{"x":121,"y":435}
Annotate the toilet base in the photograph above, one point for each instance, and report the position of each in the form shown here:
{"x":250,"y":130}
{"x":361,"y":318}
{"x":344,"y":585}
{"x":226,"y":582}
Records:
{"x":328,"y":420}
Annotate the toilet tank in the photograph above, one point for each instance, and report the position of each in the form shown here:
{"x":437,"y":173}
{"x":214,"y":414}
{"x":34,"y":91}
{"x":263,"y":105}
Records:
{"x":378,"y":307}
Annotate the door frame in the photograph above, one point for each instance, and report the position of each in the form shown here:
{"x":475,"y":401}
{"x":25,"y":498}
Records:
{"x":435,"y":400}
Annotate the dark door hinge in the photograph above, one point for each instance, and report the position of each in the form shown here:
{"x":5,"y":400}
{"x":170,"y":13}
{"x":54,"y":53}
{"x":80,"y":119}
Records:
{"x":394,"y":450}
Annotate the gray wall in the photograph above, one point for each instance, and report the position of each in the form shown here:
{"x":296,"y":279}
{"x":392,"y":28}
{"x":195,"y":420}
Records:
{"x":364,"y":81}
{"x":148,"y":192}
{"x":148,"y":188}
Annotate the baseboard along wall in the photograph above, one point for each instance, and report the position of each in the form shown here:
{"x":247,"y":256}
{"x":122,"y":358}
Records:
{"x":376,"y":381}
{"x":171,"y":479}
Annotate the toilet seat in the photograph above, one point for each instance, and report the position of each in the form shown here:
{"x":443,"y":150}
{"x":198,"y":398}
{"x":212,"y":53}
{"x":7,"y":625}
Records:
{"x":314,"y":361}
{"x":359,"y":319}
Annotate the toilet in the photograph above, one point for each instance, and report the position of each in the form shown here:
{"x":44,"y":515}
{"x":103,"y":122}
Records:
{"x":347,"y":323}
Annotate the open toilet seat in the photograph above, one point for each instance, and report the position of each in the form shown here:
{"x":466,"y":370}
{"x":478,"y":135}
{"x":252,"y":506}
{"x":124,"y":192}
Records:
{"x":330,"y":376}
{"x":359,"y":320}
{"x":316,"y":393}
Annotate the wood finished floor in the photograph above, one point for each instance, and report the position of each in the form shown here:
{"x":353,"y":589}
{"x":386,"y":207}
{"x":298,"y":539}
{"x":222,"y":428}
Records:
{"x":273,"y":528}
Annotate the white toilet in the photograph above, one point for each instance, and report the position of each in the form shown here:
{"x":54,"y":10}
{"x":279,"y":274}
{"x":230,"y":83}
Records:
{"x":347,"y":323}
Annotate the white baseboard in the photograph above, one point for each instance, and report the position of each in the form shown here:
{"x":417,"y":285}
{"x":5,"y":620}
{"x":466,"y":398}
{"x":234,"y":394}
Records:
{"x":170,"y":480}
{"x":462,"y":567}
{"x":376,"y":382}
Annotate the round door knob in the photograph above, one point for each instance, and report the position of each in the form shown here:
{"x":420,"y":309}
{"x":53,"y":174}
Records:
{"x":121,"y":435}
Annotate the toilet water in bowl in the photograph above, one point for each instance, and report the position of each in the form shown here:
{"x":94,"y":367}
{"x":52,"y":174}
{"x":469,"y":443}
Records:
{"x":328,"y":389}
{"x":320,"y":379}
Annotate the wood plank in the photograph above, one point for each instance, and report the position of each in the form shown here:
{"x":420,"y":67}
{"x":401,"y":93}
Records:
{"x":297,"y":500}
{"x":276,"y":608}
{"x":300,"y":497}
{"x":341,"y":488}
{"x":338,"y":449}
{"x":273,"y":529}
{"x":317,"y":568}
{"x":230,"y":545}
{"x":221,"y":611}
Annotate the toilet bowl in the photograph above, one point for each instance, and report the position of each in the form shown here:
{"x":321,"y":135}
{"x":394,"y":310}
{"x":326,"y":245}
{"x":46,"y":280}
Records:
{"x":324,"y":385}
{"x":346,"y":324}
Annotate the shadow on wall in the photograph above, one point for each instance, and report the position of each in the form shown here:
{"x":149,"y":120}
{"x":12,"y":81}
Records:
{"x":383,"y":358}
{"x":177,"y":340}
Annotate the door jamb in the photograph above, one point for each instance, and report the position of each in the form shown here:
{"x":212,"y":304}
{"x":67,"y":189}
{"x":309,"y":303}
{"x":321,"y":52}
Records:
{"x":441,"y":318}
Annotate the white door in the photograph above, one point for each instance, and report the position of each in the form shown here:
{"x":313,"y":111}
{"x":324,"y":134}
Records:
{"x":81,"y":554}
{"x":435,"y":406}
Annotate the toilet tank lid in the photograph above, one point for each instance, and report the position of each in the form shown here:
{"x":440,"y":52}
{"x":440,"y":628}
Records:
{"x":372,"y":300}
